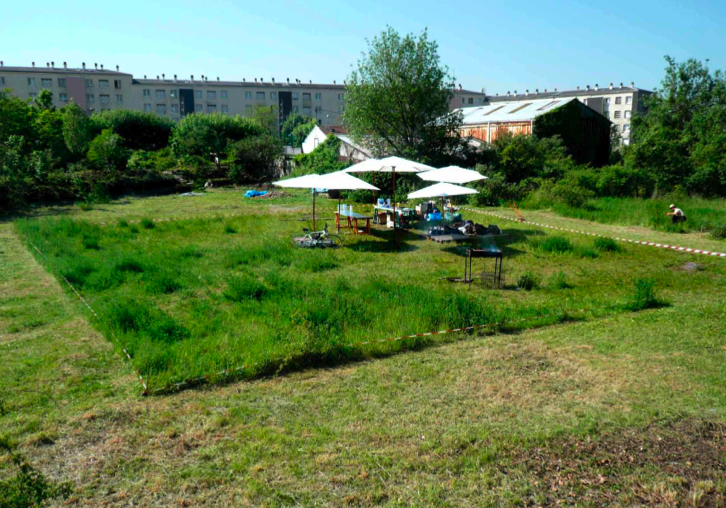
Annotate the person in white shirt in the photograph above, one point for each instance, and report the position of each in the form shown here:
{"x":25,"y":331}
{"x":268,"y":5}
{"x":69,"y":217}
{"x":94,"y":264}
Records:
{"x":676,"y":214}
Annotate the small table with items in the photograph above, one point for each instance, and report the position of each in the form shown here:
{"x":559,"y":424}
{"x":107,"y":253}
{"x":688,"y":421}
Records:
{"x":352,"y":221}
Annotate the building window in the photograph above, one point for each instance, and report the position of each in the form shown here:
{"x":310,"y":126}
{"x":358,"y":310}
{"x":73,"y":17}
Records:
{"x":627,"y":114}
{"x":2,"y":80}
{"x":340,"y":97}
{"x":478,"y":101}
{"x":211,"y":108}
{"x":32,"y":95}
{"x":618,"y":100}
{"x":147,"y":108}
{"x":172,"y":94}
{"x":318,"y":97}
{"x":197,"y":94}
{"x":197,"y":108}
{"x":102,"y":83}
{"x":161,"y":109}
{"x":223,"y":94}
{"x":211,"y":96}
{"x":294,"y":96}
{"x":89,"y":83}
{"x":306,"y":110}
{"x":260,"y":96}
{"x":147,"y":92}
{"x":62,"y":82}
{"x":160,"y":94}
{"x":31,"y":81}
{"x":90,"y":97}
{"x":463,"y":101}
{"x":296,"y":109}
{"x":248,"y":95}
{"x":63,"y":97}
{"x":471,"y":100}
{"x":306,"y":96}
{"x":273,"y":96}
{"x":175,"y":108}
{"x":105,"y":99}
{"x":318,"y":110}
{"x":616,"y":114}
{"x":117,"y":84}
{"x":628,"y":99}
{"x":225,"y":108}
{"x":626,"y":127}
{"x":120,"y":99}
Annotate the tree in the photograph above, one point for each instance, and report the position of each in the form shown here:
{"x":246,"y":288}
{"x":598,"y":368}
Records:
{"x":681,"y":141}
{"x":138,"y":129}
{"x":44,"y":100}
{"x":398,"y":98}
{"x":266,"y":117}
{"x":208,"y":136}
{"x":324,"y":159}
{"x":76,"y":129}
{"x":106,"y":151}
{"x":16,"y":118}
{"x":290,"y":128}
{"x":254,"y":159}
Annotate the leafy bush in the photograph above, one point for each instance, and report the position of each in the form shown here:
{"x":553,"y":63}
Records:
{"x":644,"y":296}
{"x":145,"y":162}
{"x":138,"y":130}
{"x":147,"y":223}
{"x":106,"y":151}
{"x":606,"y":245}
{"x":719,"y":232}
{"x":324,"y":159}
{"x":528,"y":281}
{"x":254,"y":159}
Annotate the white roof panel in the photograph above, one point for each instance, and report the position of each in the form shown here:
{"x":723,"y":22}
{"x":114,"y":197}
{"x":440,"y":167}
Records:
{"x":515,"y":111}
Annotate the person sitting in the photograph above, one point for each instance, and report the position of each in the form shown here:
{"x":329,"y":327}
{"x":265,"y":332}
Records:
{"x":676,"y":214}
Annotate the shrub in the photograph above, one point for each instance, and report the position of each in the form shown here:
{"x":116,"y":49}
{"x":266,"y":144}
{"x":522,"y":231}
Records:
{"x":719,"y":232}
{"x":324,"y":159}
{"x":244,"y":288}
{"x":147,"y":223}
{"x":588,"y":253}
{"x":138,"y":130}
{"x":644,"y":296}
{"x":528,"y":281}
{"x":254,"y":158}
{"x":229,"y":229}
{"x":107,"y":152}
{"x":555,"y":244}
{"x":122,"y":223}
{"x":606,"y":245}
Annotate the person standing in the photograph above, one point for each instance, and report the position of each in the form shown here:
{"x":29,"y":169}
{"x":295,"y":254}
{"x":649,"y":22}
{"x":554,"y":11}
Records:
{"x":676,"y":214}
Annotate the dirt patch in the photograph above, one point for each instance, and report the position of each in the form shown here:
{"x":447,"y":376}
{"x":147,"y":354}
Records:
{"x":656,"y":466}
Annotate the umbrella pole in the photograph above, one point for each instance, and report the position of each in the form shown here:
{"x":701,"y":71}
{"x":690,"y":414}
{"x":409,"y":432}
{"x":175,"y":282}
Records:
{"x":314,"y":192}
{"x":337,"y":222}
{"x":394,"y":204}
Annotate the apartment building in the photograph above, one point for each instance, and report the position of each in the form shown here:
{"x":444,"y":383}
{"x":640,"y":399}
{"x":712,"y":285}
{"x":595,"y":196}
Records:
{"x":616,"y":103}
{"x":98,"y":89}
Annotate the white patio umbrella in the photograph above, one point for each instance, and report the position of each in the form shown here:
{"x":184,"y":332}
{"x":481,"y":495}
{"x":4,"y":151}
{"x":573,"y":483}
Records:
{"x":452,"y":174}
{"x":337,"y":181}
{"x":441,"y":190}
{"x":389,"y":165}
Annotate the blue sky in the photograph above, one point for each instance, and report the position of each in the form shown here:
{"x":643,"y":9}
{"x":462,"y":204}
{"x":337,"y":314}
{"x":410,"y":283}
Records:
{"x":513,"y":45}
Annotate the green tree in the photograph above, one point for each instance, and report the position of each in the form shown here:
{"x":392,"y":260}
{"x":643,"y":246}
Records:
{"x":301,"y":132}
{"x":254,"y":159}
{"x":324,"y":159}
{"x":106,"y":151}
{"x":76,"y":129}
{"x":44,"y":99}
{"x":16,"y":118}
{"x":398,"y":98}
{"x":290,"y":128}
{"x":681,"y":141}
{"x":138,"y":129}
{"x":208,"y":136}
{"x":266,"y":117}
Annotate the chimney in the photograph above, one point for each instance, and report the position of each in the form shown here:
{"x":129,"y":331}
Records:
{"x":101,"y":66}
{"x":311,"y":81}
{"x":545,"y":90}
{"x":65,"y":65}
{"x":255,"y":80}
{"x":515,"y":93}
{"x":334,"y":82}
{"x":459,"y":86}
{"x":117,"y":68}
{"x":174,"y":77}
{"x":596,"y":87}
{"x":192,"y":76}
{"x":578,"y":87}
{"x":588,"y":87}
{"x":497,"y":95}
{"x":555,"y":90}
{"x":244,"y":80}
{"x":52,"y":64}
{"x":217,"y":78}
{"x":273,"y":80}
{"x":632,"y":84}
{"x":611,"y":86}
{"x":261,"y":80}
{"x":344,"y":83}
{"x":47,"y":64}
{"x":621,"y":84}
{"x":2,"y":64}
{"x":144,"y":76}
{"x":526,"y":92}
{"x":33,"y":64}
{"x":84,"y":65}
{"x":157,"y":77}
{"x":288,"y":81}
{"x":95,"y":65}
{"x":163,"y":76}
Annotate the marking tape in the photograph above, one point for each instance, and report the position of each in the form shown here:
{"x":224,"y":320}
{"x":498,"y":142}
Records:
{"x":628,"y":240}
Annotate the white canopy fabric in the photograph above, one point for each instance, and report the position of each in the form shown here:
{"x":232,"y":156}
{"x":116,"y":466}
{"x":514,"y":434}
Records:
{"x":388,"y":165}
{"x":452,"y":174}
{"x":441,"y":190}
{"x":301,"y":182}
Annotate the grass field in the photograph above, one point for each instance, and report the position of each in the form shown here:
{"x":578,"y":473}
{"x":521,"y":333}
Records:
{"x":622,"y":408}
{"x":703,"y":214}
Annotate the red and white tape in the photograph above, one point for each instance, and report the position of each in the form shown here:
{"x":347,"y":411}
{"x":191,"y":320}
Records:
{"x":627,"y":240}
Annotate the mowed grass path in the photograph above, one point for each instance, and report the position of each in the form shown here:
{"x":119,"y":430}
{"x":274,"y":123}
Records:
{"x":624,"y":410}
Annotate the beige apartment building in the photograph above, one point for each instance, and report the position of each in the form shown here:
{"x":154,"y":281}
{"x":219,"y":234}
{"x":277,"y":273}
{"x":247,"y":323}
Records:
{"x":616,"y":103}
{"x":98,"y":89}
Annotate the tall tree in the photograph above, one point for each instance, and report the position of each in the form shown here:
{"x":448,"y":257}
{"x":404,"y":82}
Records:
{"x":397,"y":99}
{"x":76,"y":129}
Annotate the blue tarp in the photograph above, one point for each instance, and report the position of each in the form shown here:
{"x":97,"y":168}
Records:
{"x":254,"y":193}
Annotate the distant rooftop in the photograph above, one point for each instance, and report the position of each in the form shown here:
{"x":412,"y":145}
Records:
{"x":511,"y":111}
{"x":56,"y":69}
{"x":552,"y":94}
